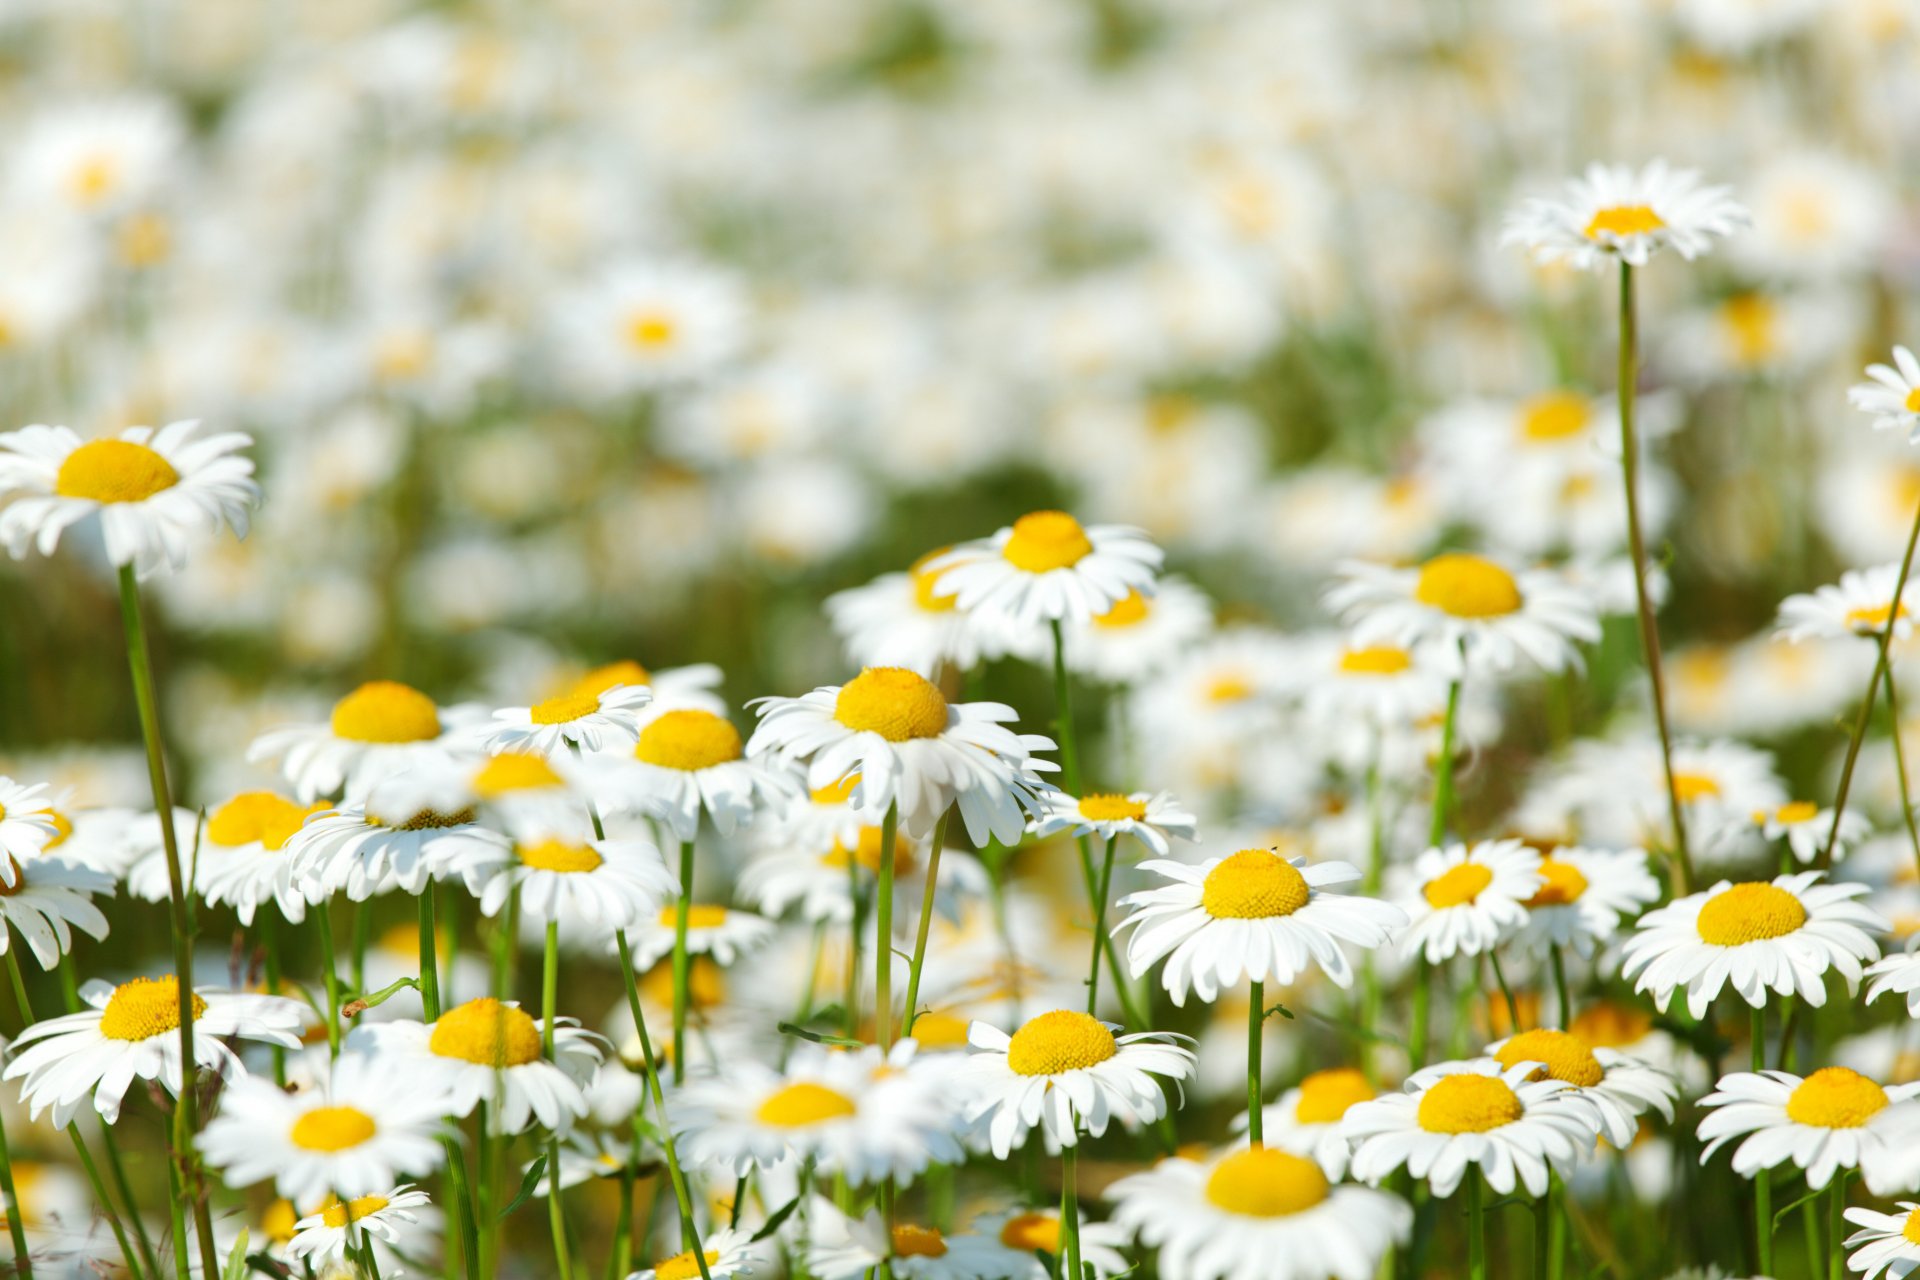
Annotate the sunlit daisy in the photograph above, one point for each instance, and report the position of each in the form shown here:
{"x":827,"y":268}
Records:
{"x":609,"y":884}
{"x":1065,"y":1072}
{"x":1898,"y":973}
{"x":1616,"y":212}
{"x":48,"y":899}
{"x":727,"y":1253}
{"x":381,"y":728}
{"x":1149,"y":817}
{"x":243,"y":859}
{"x":1258,"y":1214}
{"x":1305,"y":1120}
{"x":1584,"y":895}
{"x":1461,"y":604}
{"x":1254,"y":915}
{"x":1889,"y":1242}
{"x":131,"y":1032}
{"x":1834,"y":1119}
{"x":1781,"y":935}
{"x":1807,"y":828}
{"x":411,"y":827}
{"x":339,"y":1227}
{"x":843,"y":1248}
{"x":1048,"y":567}
{"x":1619,"y":1088}
{"x":725,"y":933}
{"x":647,"y":324}
{"x":1466,"y":900}
{"x":591,"y":721}
{"x":687,"y":763}
{"x":1893,"y":397}
{"x":898,"y":620}
{"x":155,"y":492}
{"x":1031,"y":1231}
{"x":1380,"y":685}
{"x":27,"y":824}
{"x":1140,"y":635}
{"x":1858,"y":605}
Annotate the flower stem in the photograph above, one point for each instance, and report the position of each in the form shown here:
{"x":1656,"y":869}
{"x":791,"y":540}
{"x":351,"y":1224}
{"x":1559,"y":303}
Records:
{"x":1422,"y":997}
{"x":16,"y":1217}
{"x":1476,"y":1228}
{"x":926,"y":924}
{"x":1763,"y":1179}
{"x":1070,"y":1209}
{"x":1376,"y":869}
{"x":549,"y":998}
{"x":1560,"y":985}
{"x":429,"y":956}
{"x":330,"y":976}
{"x":883,"y":932}
{"x":856,"y":923}
{"x":1063,"y":716}
{"x":1836,"y":1250}
{"x":140,"y":666}
{"x":682,"y":915}
{"x":1103,"y":887}
{"x":1900,"y":769}
{"x":1256,"y":1020}
{"x":1443,"y":768}
{"x":1506,"y":993}
{"x":1636,"y":545}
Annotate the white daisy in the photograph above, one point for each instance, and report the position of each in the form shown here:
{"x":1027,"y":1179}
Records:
{"x":155,"y":492}
{"x":685,"y":763}
{"x":1615,"y":212}
{"x":727,"y":1253}
{"x":1259,"y":1214}
{"x":1834,"y":1119}
{"x":1140,"y":635}
{"x":1807,"y":828}
{"x":1858,"y":605}
{"x":1379,"y":685}
{"x":1466,"y":608}
{"x":48,"y":899}
{"x":1255,"y":915}
{"x":1893,"y":397}
{"x":337,"y":1228}
{"x":1898,"y":973}
{"x":843,"y":1248}
{"x":1305,"y":1120}
{"x":1782,"y":936}
{"x":1466,"y":900}
{"x":409,"y":828}
{"x":1066,"y":1071}
{"x":1457,"y":1114}
{"x":381,"y":728}
{"x":1620,"y":1088}
{"x":591,"y":721}
{"x":28,"y":825}
{"x":1046,"y":567}
{"x":606,"y":884}
{"x":645,"y":325}
{"x":1583,"y":896}
{"x":899,"y":620}
{"x":243,"y":859}
{"x":910,"y":747}
{"x":1031,"y":1231}
{"x":1148,"y":816}
{"x":725,"y":933}
{"x":131,"y":1032}
{"x":1890,"y":1242}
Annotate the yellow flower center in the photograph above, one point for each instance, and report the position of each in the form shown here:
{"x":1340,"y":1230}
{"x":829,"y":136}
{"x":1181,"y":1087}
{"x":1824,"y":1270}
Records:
{"x":706,"y":984}
{"x":1624,"y":220}
{"x":1325,"y":1096}
{"x":924,"y":582}
{"x":1376,"y":660}
{"x":700,"y":915}
{"x":940,"y":1031}
{"x":652,"y":330}
{"x":338,"y":1215}
{"x":1564,"y":1057}
{"x":1873,"y":618}
{"x":1695,"y":786}
{"x":1253,"y":884}
{"x":1835,"y":1098}
{"x":1264,"y":1182}
{"x":277,"y":1222}
{"x":1030,"y":1232}
{"x":1749,"y":912}
{"x":145,"y":1007}
{"x":514,"y":771}
{"x":143,"y":240}
{"x":93,"y":178}
{"x":332,"y":1129}
{"x":488,"y":1033}
{"x":688,"y":740}
{"x":1046,"y":540}
{"x":424,"y":820}
{"x":258,"y":815}
{"x":805,"y":1103}
{"x":1060,"y":1041}
{"x":558,"y":855}
{"x":1753,"y":322}
{"x":566,"y":708}
{"x":682,"y":1266}
{"x":1231,"y":686}
{"x":1611,"y":1025}
{"x":386,"y":711}
{"x":1564,"y":883}
{"x":114,"y":471}
{"x":1108,"y":807}
{"x":1130,"y":610}
{"x":910,"y":1241}
{"x":601,"y":679}
{"x":1554,"y":416}
{"x":1468,"y":1104}
{"x":1912,"y":402}
{"x":62,"y":828}
{"x":1467,"y":586}
{"x":1912,"y":1228}
{"x":866,"y":852}
{"x":1457,"y":886}
{"x":1796,"y":812}
{"x":835,"y":792}
{"x":893,"y":702}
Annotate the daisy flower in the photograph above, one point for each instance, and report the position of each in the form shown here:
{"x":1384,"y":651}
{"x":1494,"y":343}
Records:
{"x":861,"y":1114}
{"x":1149,"y":817}
{"x":355,"y":1134}
{"x":1893,"y":397}
{"x":48,"y":899}
{"x":155,"y":492}
{"x":1065,"y":1071}
{"x":1615,"y":212}
{"x":1032,"y":1231}
{"x":1890,"y":1242}
{"x":1305,"y":1120}
{"x":1140,"y":635}
{"x":1583,"y":896}
{"x":243,"y":859}
{"x":409,"y":828}
{"x":1047,"y":567}
{"x":1620,"y":1089}
{"x":1858,"y":605}
{"x":1806,"y":827}
{"x":132,"y":1031}
{"x":1465,"y":1113}
{"x":591,"y":721}
{"x":913,"y":749}
{"x":1252,"y":914}
{"x":1898,"y":973}
{"x":1470,"y":898}
{"x":725,"y":933}
{"x":1466,"y":608}
{"x":900,"y":620}
{"x":338,"y":1228}
{"x":843,"y":1248}
{"x":1834,"y":1119}
{"x":645,"y":325}
{"x":1781,"y":935}
{"x":28,"y":825}
{"x":489,"y":1051}
{"x":685,"y":763}
{"x":673,"y":688}
{"x":608,"y":884}
{"x":728,"y":1253}
{"x":381,"y":728}
{"x":1258,"y":1214}
{"x":1380,"y":685}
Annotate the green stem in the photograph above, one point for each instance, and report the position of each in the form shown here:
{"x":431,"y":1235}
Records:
{"x":549,"y":1000}
{"x":857,"y":922}
{"x":1103,"y":887}
{"x":1376,"y":869}
{"x":883,"y":932}
{"x":1636,"y":545}
{"x":330,"y":976}
{"x":1763,"y":1180}
{"x":1422,"y":997}
{"x":106,"y":1206}
{"x":1836,"y":1249}
{"x":1256,"y":1019}
{"x":465,"y":1214}
{"x":1506,"y":993}
{"x":1443,"y":769}
{"x":1476,"y":1228}
{"x":140,"y":666}
{"x":362,"y":937}
{"x":16,"y":1216}
{"x":1070,"y":1206}
{"x":1063,"y":717}
{"x":429,"y":956}
{"x":270,"y":946}
{"x":1560,"y":986}
{"x":622,"y":1261}
{"x":682,"y":962}
{"x":1900,"y":768}
{"x":926,"y":924}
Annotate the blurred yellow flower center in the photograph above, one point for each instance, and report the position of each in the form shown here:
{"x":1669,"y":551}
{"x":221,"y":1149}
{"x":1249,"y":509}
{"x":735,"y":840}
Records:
{"x":1563,"y":1056}
{"x":866,"y":852}
{"x":62,"y":827}
{"x":1695,"y":786}
{"x":332,"y":1129}
{"x":1253,"y":884}
{"x":893,"y":702}
{"x":1753,"y":323}
{"x":1872,"y":617}
{"x":1912,"y":402}
{"x":1130,"y":610}
{"x":682,"y":1266}
{"x":143,"y":240}
{"x":1107,"y":807}
{"x":940,"y":1031}
{"x":910,"y":1241}
{"x":925,"y":580}
{"x":1562,"y":884}
{"x":688,"y":740}
{"x":1229,"y":686}
{"x":1468,"y":1104}
{"x":1467,"y":586}
{"x":1835,"y":1098}
{"x":1798,"y":811}
{"x":145,"y":1007}
{"x":386,"y":711}
{"x":558,"y":855}
{"x":836,"y":792}
{"x":1624,"y":220}
{"x":1749,"y":912}
{"x":651,"y":330}
{"x":257,"y":815}
{"x":1264,"y":1182}
{"x":706,"y":983}
{"x":93,"y":178}
{"x":338,"y":1215}
{"x":425,"y":820}
{"x":114,"y":471}
{"x":700,"y":915}
{"x":277,"y":1222}
{"x":1045,"y":540}
{"x":1457,"y":886}
{"x":514,"y":771}
{"x":488,"y":1033}
{"x":1376,"y":660}
{"x":804,"y":1103}
{"x":1059,"y":1041}
{"x":1031,"y":1232}
{"x":601,"y":679}
{"x":1554,"y":416}
{"x":566,"y":708}
{"x":1912,"y":1228}
{"x":1325,"y":1096}
{"x":1611,"y":1025}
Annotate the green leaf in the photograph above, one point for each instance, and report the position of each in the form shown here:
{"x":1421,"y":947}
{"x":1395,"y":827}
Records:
{"x":237,"y":1259}
{"x":1784,"y":1210}
{"x":818,"y":1037}
{"x":778,"y":1220}
{"x":1280,"y":1009}
{"x":360,"y":1004}
{"x":527,"y":1184}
